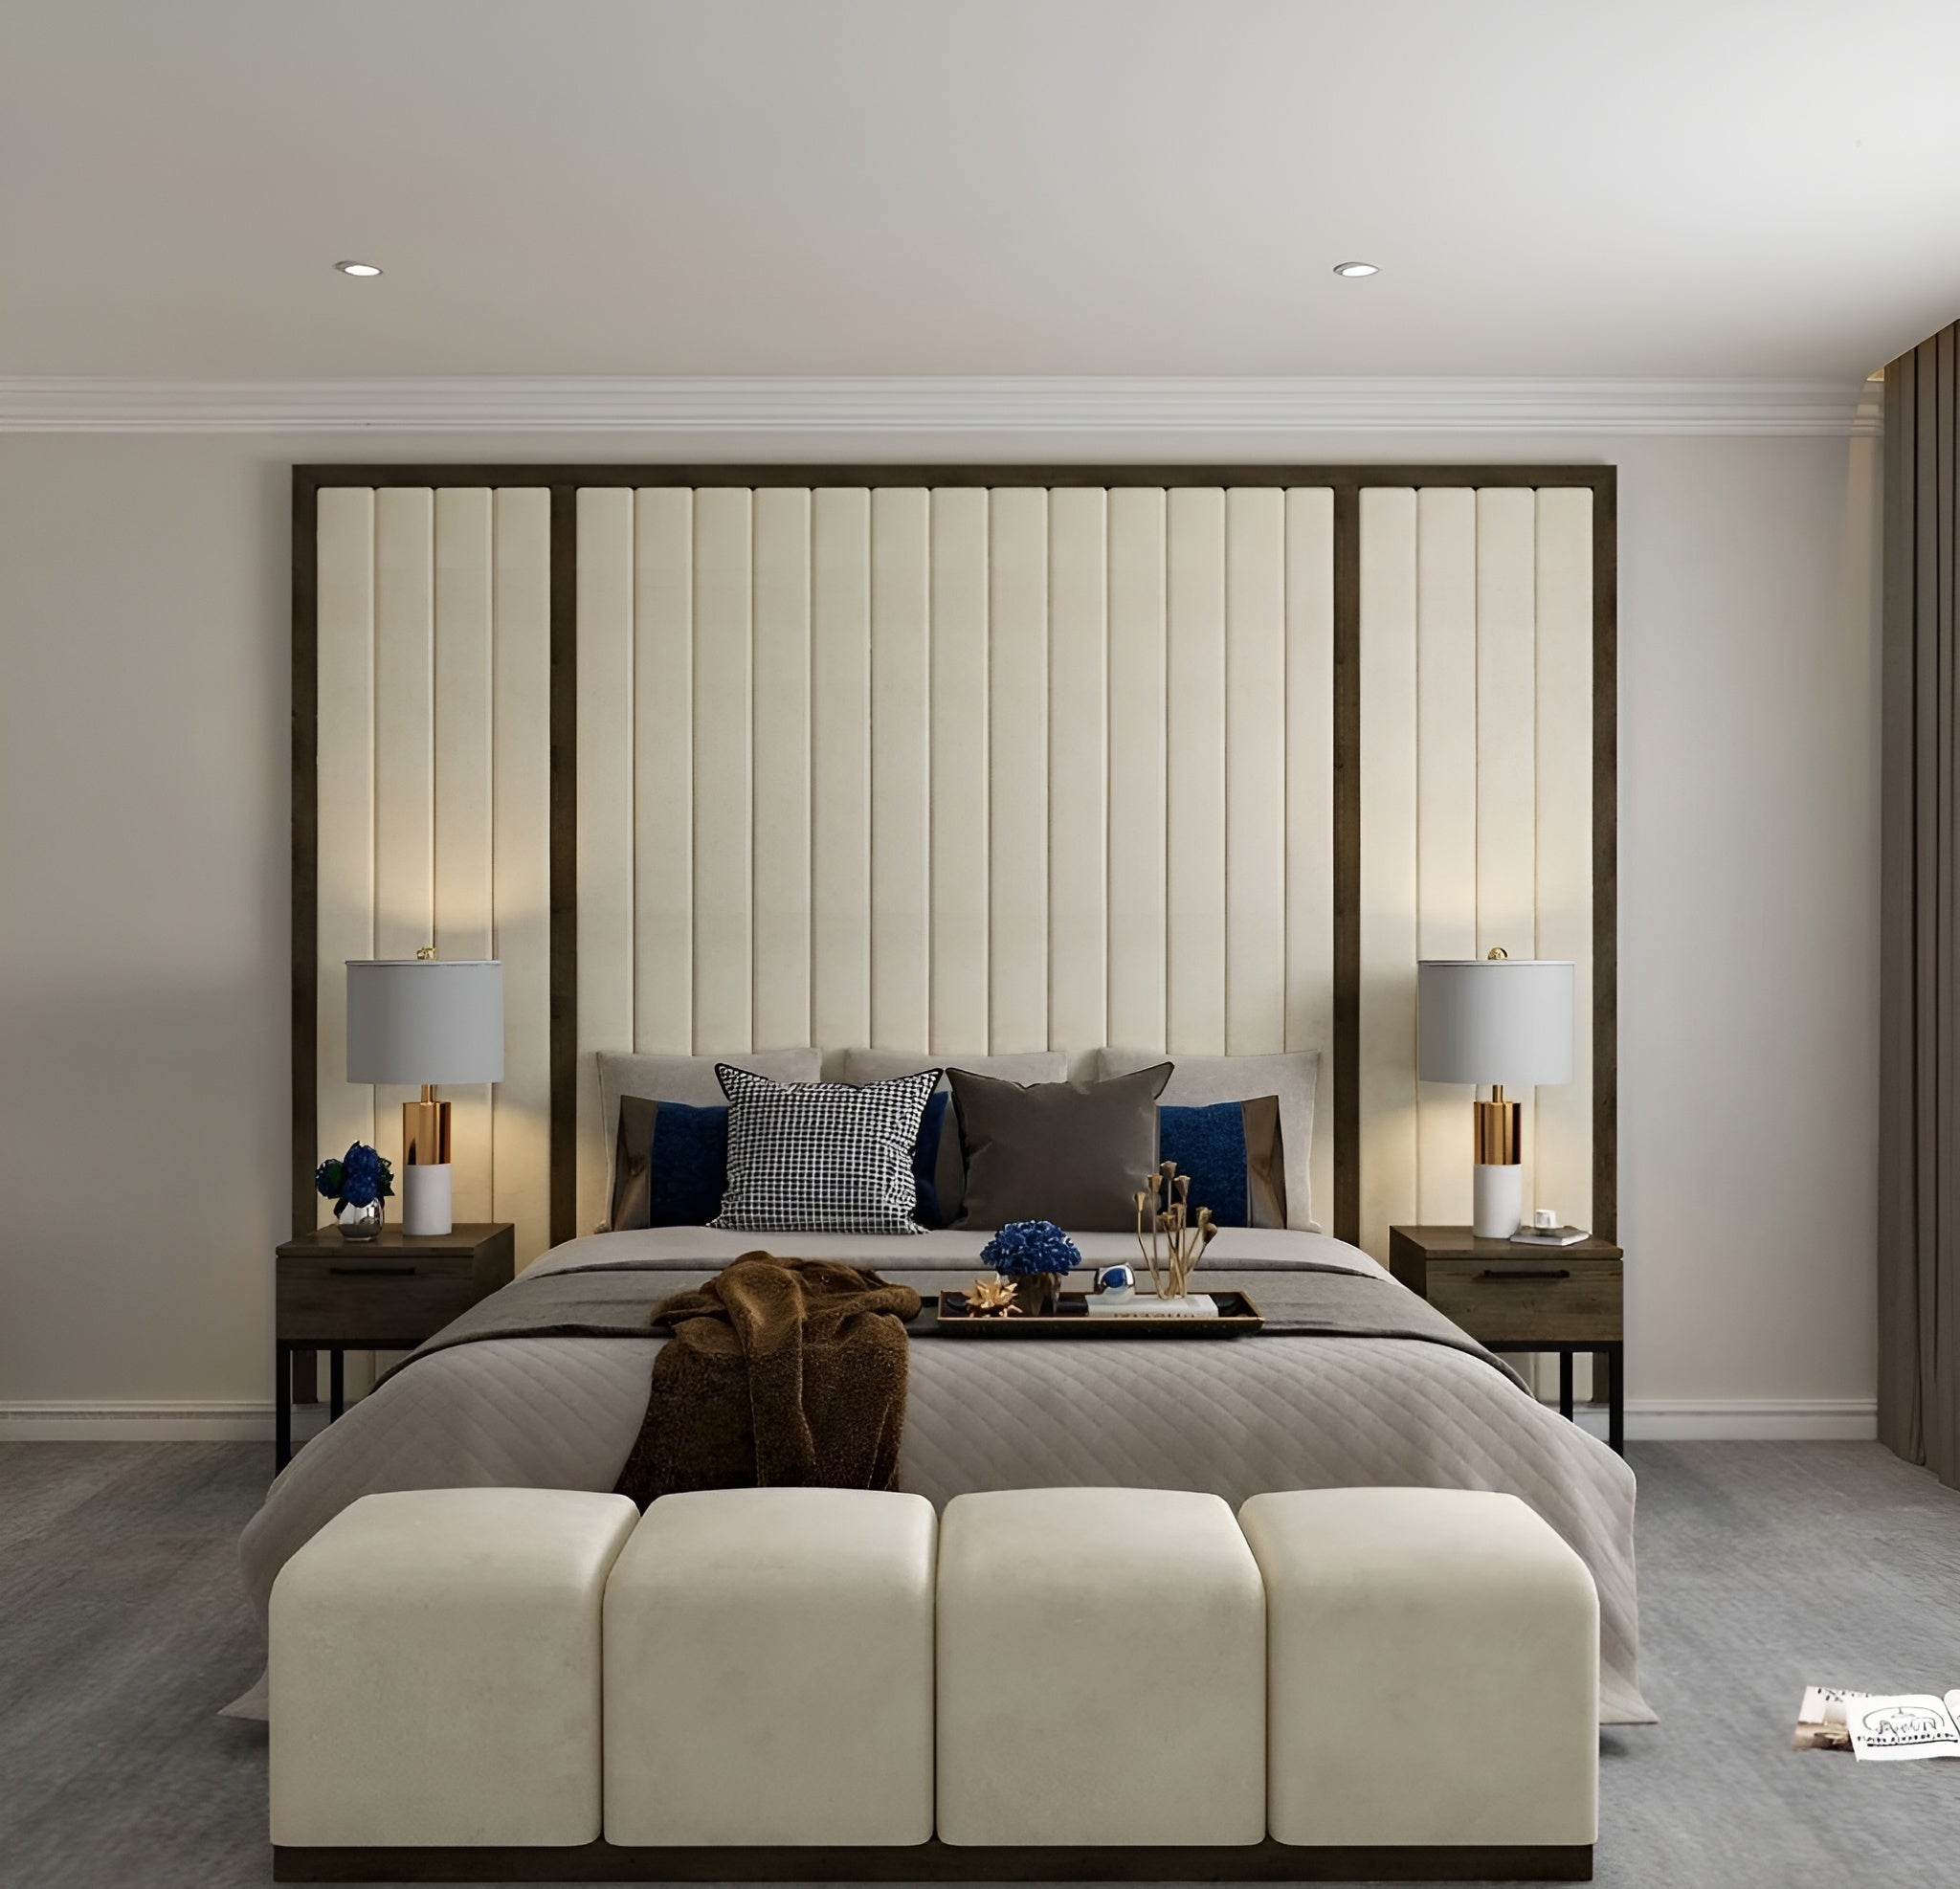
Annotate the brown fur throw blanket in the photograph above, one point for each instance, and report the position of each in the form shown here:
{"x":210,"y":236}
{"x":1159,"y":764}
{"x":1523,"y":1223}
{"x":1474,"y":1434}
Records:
{"x":780,"y":1373}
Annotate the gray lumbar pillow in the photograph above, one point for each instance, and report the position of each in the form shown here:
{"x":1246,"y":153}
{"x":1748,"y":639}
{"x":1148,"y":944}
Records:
{"x":1073,"y":1153}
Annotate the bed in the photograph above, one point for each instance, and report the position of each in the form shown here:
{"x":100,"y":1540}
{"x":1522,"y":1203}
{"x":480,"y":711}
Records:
{"x":954,"y":758}
{"x":1232,"y":1417}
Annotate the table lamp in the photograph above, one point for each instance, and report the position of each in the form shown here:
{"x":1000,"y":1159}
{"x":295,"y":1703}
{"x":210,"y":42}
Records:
{"x":1507,"y":1022}
{"x":425,"y":1020}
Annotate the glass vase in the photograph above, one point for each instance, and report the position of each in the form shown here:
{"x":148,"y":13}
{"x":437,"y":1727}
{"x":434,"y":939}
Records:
{"x":360,"y":1223}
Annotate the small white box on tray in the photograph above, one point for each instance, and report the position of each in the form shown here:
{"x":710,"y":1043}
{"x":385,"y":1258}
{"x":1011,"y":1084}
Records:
{"x":1146,"y":1305}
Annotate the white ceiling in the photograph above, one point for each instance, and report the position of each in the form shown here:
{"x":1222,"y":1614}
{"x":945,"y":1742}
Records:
{"x":975,"y":186}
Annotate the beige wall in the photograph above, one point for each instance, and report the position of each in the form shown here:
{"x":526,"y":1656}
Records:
{"x":143,"y":904}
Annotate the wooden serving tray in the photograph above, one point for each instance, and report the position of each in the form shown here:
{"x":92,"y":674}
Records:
{"x":1237,"y":1316}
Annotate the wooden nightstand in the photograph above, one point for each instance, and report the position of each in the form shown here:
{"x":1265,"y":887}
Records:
{"x":388,"y":1294}
{"x":1511,"y":1297}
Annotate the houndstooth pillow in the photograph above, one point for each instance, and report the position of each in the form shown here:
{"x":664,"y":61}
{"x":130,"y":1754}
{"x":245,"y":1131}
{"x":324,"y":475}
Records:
{"x":822,"y":1157}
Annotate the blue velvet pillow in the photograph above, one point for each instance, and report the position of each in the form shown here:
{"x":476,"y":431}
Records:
{"x":689,"y":1166}
{"x":672,"y":1164}
{"x":1231,"y":1152}
{"x":926,"y":1152}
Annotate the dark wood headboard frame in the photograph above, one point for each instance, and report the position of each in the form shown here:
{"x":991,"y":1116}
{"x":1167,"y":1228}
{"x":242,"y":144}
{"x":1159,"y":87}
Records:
{"x":1345,"y":481}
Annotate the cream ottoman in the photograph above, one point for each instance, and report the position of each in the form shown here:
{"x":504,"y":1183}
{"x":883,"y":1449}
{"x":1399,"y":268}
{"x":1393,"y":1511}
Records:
{"x":1101,"y":1670}
{"x":435,"y":1670}
{"x":768,"y":1670}
{"x":1433,"y":1670}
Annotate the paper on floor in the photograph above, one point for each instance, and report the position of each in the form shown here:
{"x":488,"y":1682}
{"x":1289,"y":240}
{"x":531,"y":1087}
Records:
{"x":1882,"y":1727}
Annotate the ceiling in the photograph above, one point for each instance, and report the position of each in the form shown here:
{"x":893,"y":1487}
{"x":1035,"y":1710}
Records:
{"x":975,"y":186}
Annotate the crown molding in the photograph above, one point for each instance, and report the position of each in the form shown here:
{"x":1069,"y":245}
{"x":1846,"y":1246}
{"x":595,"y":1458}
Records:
{"x":974,"y":406}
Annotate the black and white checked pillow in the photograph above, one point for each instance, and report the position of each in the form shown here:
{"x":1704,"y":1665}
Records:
{"x":822,"y":1157}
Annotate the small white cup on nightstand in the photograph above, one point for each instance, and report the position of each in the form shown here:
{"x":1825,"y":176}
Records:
{"x":1545,"y":1221}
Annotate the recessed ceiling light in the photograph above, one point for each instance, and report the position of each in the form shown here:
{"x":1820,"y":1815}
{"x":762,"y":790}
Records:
{"x":360,"y":269}
{"x":1340,"y":269}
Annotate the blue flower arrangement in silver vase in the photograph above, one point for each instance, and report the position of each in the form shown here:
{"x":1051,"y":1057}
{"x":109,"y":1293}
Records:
{"x":357,"y":1183}
{"x":1034,"y":1254}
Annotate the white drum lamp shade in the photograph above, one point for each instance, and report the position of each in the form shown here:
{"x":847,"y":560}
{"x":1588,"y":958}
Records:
{"x":422,"y":1021}
{"x":1502,"y":1020}
{"x":430,"y":1020}
{"x":1507,"y":1022}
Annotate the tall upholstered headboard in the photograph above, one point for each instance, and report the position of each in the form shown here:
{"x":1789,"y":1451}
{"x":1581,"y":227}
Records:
{"x":956,"y":758}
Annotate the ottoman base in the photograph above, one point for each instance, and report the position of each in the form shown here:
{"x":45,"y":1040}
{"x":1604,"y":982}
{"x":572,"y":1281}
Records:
{"x":935,"y":1862}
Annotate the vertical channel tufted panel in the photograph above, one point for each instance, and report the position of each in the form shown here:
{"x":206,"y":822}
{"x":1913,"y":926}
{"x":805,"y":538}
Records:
{"x":724,"y":769}
{"x":959,"y":809}
{"x":520,"y":861}
{"x":660,"y":947}
{"x":900,"y":768}
{"x":1309,"y":829}
{"x":1078,"y":737}
{"x":1017,"y":771}
{"x":404,"y":749}
{"x":1195,"y":772}
{"x":1138,"y":767}
{"x":432,"y":780}
{"x":1255,"y":846}
{"x":960,"y":768}
{"x":1476,"y":814}
{"x":1563,"y":860}
{"x":1507,"y":745}
{"x":1446,"y":807}
{"x":1390,"y":855}
{"x":839,"y":772}
{"x":464,"y":803}
{"x":610,"y":920}
{"x":781,"y":764}
{"x":344,"y":788}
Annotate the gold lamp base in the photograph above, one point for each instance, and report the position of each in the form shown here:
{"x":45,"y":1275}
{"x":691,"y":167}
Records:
{"x":1496,"y":1131}
{"x":425,"y":1132}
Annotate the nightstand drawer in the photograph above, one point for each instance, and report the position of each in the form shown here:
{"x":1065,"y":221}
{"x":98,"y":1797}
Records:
{"x":376,"y":1303}
{"x":398,"y":1260}
{"x":1512,"y":1302}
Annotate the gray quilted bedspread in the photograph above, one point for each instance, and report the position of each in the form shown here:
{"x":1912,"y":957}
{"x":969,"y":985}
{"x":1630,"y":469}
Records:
{"x":1230,"y":1416}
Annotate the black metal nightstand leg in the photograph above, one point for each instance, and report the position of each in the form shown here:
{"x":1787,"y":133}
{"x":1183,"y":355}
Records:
{"x":1616,"y":1408}
{"x":282,"y":1406}
{"x":1564,"y":1383}
{"x":337,"y":1383}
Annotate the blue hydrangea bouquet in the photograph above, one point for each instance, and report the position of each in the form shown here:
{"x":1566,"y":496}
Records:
{"x":360,"y":1180}
{"x":1034,"y":1254}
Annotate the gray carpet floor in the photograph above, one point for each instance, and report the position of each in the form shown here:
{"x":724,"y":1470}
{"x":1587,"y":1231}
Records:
{"x":1762,"y":1566}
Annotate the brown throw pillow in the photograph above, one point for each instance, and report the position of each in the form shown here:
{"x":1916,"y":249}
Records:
{"x":1074,"y":1153}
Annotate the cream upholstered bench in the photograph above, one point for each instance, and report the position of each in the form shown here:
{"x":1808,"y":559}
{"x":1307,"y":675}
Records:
{"x":768,"y":1671}
{"x":1339,"y":1684}
{"x":1125,"y":1625}
{"x":435,"y":1670}
{"x":1434,"y":1671}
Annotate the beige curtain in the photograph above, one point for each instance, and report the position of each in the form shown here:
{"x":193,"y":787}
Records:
{"x":1919,"y":1176}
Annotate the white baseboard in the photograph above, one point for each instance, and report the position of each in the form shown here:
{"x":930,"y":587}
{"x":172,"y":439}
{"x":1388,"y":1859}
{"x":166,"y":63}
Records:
{"x":63,"y":1422}
{"x":1654,"y":1420}
{"x":1742,"y":1421}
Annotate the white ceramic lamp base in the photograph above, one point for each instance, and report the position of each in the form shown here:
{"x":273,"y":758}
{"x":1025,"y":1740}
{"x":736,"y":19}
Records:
{"x":1498,"y":1202}
{"x":426,"y":1198}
